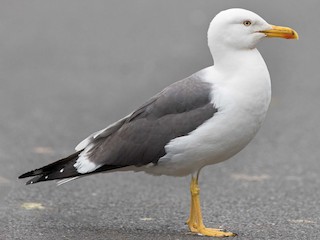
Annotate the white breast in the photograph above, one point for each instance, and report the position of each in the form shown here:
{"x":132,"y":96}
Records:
{"x":242,"y":99}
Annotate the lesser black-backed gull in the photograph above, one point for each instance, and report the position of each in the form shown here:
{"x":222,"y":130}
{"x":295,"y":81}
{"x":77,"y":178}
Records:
{"x":201,"y":120}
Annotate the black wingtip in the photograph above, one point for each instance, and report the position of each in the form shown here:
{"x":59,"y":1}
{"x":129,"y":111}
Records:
{"x":31,"y":173}
{"x":34,"y":180}
{"x":27,"y":174}
{"x":51,"y":167}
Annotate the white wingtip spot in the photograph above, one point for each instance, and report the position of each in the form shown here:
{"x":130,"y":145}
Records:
{"x":61,"y":170}
{"x":46,"y":177}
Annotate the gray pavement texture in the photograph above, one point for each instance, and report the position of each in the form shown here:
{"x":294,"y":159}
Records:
{"x":68,"y":68}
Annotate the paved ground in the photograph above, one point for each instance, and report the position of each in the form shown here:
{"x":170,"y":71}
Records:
{"x":70,"y":68}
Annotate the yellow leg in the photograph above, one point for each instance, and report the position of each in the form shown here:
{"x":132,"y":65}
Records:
{"x":195,"y":221}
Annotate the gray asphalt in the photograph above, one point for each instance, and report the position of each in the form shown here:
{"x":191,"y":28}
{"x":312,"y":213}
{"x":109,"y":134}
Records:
{"x":69,"y":68}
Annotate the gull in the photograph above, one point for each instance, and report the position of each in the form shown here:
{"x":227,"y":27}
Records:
{"x":201,"y":120}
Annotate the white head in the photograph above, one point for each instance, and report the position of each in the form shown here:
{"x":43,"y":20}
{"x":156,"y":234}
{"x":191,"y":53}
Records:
{"x":242,"y":29}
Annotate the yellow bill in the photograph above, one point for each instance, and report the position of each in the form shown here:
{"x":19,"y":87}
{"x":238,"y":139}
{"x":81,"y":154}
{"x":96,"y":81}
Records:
{"x":281,"y":32}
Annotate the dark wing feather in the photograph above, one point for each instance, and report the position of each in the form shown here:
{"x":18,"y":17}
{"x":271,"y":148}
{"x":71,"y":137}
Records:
{"x":140,"y":138}
{"x":174,"y":112}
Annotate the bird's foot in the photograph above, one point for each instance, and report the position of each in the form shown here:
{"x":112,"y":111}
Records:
{"x":213,"y":232}
{"x":195,"y":221}
{"x":210,"y":232}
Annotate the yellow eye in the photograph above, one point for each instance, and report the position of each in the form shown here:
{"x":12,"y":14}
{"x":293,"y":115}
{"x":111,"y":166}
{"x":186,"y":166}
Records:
{"x":247,"y":23}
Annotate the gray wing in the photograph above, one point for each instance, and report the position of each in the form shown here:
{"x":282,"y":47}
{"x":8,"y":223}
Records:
{"x":140,"y":138}
{"x":104,"y":133}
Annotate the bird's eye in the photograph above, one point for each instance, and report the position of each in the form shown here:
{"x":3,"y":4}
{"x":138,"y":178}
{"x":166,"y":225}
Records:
{"x":247,"y":23}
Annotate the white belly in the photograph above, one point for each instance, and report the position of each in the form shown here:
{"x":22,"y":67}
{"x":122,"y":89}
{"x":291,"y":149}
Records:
{"x":241,"y":111}
{"x":217,"y":140}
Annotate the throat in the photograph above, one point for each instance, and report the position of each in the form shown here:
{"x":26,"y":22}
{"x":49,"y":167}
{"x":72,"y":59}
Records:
{"x":241,"y":82}
{"x":232,"y":60}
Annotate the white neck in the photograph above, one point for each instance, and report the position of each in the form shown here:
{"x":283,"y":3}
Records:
{"x":230,"y":60}
{"x":241,"y":80}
